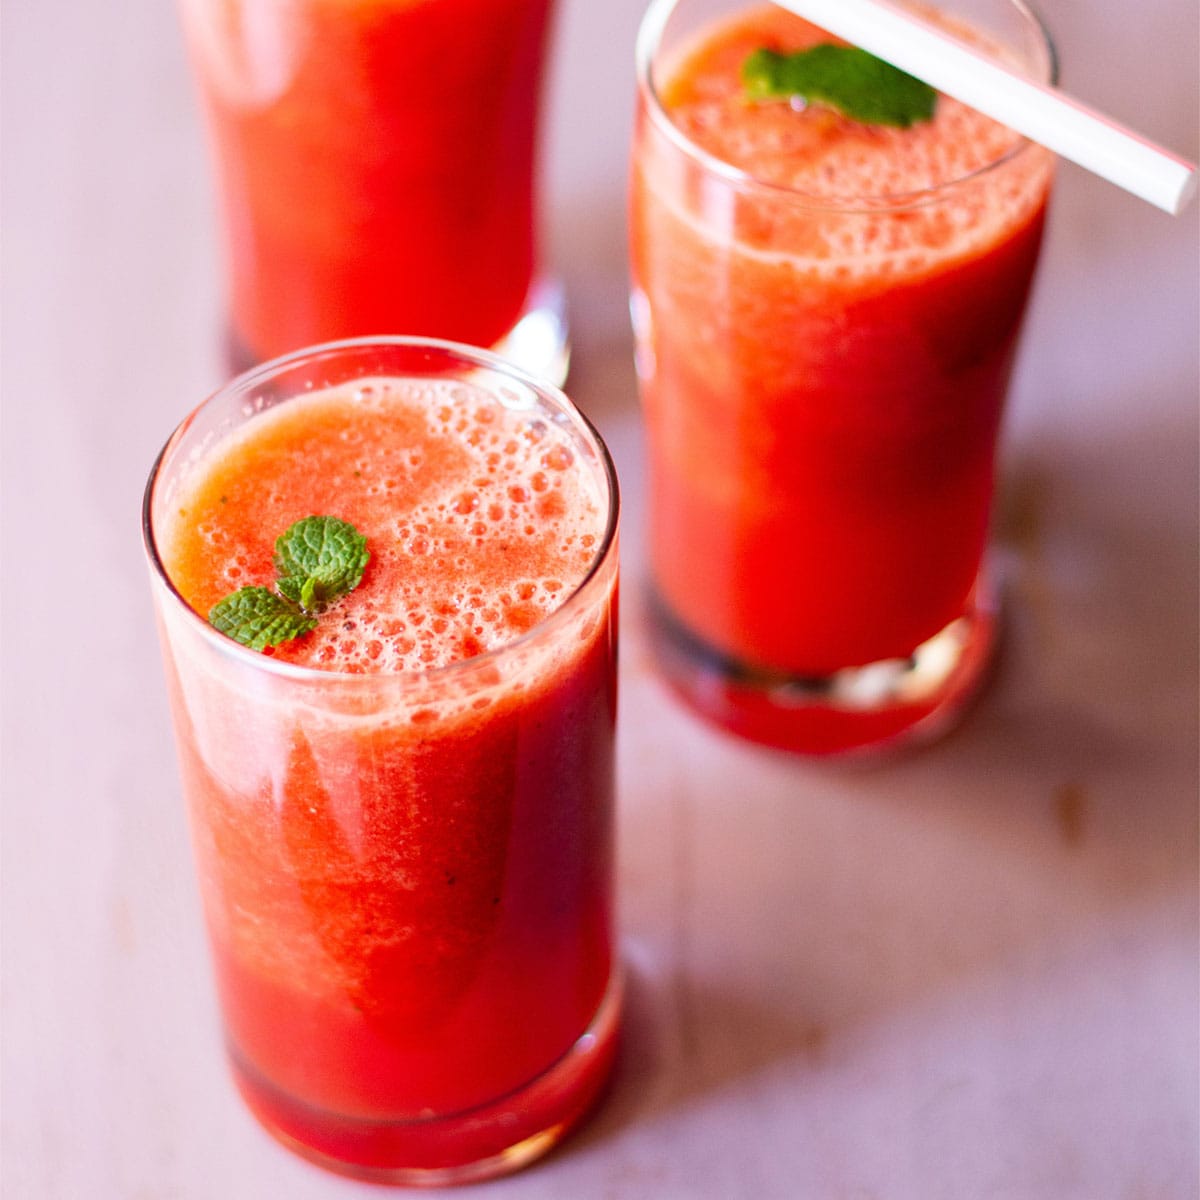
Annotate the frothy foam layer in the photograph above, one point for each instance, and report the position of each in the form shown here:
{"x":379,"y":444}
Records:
{"x":835,"y":162}
{"x":479,"y":518}
{"x":829,"y":157}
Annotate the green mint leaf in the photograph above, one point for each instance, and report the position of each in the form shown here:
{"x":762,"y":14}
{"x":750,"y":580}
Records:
{"x":257,"y":617}
{"x":301,"y":590}
{"x":858,"y":84}
{"x":318,"y":560}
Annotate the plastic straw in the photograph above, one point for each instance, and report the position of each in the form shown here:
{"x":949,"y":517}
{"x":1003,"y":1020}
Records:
{"x":1042,"y":114}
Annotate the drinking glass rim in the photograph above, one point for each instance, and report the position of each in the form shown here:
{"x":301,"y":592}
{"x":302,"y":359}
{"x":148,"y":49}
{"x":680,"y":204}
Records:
{"x":649,"y":38}
{"x":477,"y":357}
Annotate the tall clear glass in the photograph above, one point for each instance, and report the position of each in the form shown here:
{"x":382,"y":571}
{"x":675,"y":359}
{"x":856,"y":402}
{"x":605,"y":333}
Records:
{"x":406,"y":877}
{"x":823,"y":371}
{"x":376,"y":170}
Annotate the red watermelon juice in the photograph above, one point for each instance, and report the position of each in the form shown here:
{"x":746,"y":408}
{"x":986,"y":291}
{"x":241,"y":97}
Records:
{"x":402,"y":819}
{"x":375,"y":163}
{"x":827,"y":313}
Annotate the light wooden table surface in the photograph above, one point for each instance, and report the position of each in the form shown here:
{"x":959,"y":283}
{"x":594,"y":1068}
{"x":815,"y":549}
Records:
{"x":967,"y":974}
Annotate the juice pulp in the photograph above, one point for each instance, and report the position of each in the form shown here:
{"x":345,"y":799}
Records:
{"x":822,"y":376}
{"x":375,"y":162}
{"x":405,"y":856}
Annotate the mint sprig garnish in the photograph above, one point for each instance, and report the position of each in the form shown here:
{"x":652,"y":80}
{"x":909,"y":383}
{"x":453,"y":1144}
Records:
{"x":258,"y":617}
{"x":317,"y":560}
{"x":857,"y":84}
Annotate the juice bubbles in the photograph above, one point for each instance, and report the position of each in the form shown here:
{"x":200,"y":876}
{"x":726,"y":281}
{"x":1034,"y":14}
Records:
{"x":375,"y":164}
{"x":403,"y":820}
{"x":827,"y":314}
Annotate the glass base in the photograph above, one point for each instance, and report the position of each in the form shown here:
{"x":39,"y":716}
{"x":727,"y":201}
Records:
{"x":539,"y":341}
{"x":480,"y":1143}
{"x":857,"y":711}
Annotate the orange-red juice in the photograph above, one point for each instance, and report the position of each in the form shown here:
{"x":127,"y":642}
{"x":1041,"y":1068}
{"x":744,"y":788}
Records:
{"x":402,"y":820}
{"x":375,"y":162}
{"x":826,"y":329}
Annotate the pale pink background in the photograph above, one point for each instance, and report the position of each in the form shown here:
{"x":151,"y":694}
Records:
{"x":972,"y":973}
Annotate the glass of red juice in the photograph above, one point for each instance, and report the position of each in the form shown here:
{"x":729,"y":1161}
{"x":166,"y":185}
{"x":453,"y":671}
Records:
{"x":402,"y":818}
{"x":375,"y":167}
{"x":826,"y":314}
